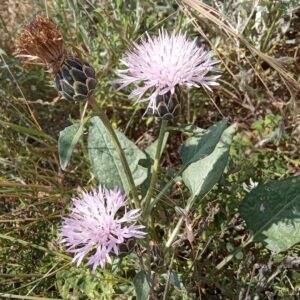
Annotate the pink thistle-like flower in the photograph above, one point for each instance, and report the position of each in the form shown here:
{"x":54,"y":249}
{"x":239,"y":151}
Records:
{"x":161,"y":63}
{"x":94,"y":229}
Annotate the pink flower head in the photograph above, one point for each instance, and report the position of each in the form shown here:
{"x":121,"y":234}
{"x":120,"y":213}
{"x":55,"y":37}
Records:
{"x":94,"y":229}
{"x":163,"y":62}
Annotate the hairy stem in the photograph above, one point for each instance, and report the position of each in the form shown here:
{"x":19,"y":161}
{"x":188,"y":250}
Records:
{"x":118,"y":148}
{"x":147,"y":200}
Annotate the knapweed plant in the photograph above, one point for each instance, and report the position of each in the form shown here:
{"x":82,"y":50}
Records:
{"x":124,"y":205}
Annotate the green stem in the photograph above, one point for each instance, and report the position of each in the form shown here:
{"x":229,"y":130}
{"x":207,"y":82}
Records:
{"x":179,"y":223}
{"x":174,"y":233}
{"x":270,"y":31}
{"x":118,"y":147}
{"x":147,"y":200}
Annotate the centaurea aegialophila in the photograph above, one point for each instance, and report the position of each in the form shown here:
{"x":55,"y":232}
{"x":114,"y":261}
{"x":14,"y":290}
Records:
{"x":162,"y":64}
{"x":95,"y":230}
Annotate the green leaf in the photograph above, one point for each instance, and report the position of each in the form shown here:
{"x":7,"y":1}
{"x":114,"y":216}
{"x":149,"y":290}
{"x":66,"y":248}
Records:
{"x":199,"y":146}
{"x":80,"y":283}
{"x":272,"y":213}
{"x":106,"y":164}
{"x":68,"y":138}
{"x":239,"y":255}
{"x":176,"y":281}
{"x":141,"y":283}
{"x":202,"y":175}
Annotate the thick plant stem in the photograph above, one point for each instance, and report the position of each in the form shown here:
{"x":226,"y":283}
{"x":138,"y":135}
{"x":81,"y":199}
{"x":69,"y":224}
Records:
{"x":147,"y":200}
{"x":118,"y":147}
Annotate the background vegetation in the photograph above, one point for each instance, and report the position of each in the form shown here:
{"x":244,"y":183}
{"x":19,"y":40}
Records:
{"x":257,"y":43}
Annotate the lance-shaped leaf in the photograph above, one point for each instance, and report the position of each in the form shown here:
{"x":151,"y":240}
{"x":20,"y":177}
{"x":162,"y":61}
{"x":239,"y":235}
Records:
{"x":68,"y":138}
{"x":272,"y":213}
{"x":200,"y":176}
{"x":27,"y":131}
{"x":106,"y":164}
{"x":201,"y":145}
{"x":142,"y":282}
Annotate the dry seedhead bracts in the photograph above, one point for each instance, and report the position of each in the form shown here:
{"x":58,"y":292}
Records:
{"x":42,"y":38}
{"x":74,"y":78}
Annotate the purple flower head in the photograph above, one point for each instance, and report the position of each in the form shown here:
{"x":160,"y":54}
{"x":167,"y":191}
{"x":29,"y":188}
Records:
{"x":163,"y":62}
{"x":94,"y":229}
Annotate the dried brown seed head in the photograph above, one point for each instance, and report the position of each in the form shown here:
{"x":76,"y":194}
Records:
{"x":42,"y":38}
